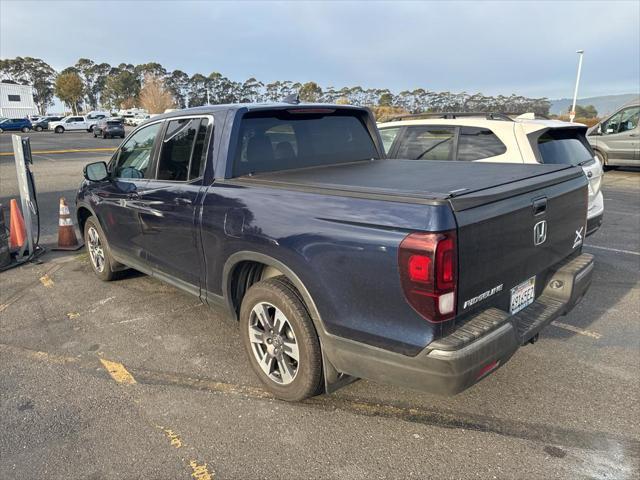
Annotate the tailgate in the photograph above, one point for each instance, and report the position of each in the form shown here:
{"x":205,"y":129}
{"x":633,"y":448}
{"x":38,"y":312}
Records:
{"x":504,"y":240}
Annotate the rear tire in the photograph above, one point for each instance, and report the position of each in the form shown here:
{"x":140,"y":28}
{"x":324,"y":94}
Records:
{"x":39,"y":129}
{"x":25,"y":129}
{"x":281,"y":340}
{"x":99,"y":253}
{"x":105,"y":136}
{"x":59,"y":130}
{"x":602,"y":158}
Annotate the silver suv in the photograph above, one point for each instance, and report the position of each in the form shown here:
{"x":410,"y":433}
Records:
{"x":616,"y":139}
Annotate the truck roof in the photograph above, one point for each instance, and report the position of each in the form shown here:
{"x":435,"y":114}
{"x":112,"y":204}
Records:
{"x":212,"y":109}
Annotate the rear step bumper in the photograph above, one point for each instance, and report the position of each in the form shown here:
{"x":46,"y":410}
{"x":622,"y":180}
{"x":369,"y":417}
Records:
{"x":486,"y":342}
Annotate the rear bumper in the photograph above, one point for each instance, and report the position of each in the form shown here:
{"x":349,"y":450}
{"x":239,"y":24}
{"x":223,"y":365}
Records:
{"x":595,"y":214}
{"x":484,"y":343}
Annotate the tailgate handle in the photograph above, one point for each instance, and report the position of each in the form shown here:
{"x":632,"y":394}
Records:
{"x":539,"y":206}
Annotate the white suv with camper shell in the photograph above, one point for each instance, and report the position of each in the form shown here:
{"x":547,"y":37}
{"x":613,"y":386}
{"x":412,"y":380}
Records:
{"x":483,"y":137}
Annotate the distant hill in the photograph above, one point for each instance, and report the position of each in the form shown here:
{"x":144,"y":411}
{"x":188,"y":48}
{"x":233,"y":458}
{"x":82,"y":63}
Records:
{"x":604,"y":105}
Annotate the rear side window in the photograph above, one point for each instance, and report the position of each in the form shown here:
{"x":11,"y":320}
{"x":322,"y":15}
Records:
{"x":288,"y":140}
{"x":388,"y":135}
{"x":564,"y":146}
{"x":183,"y":141}
{"x":427,"y":143}
{"x":478,"y":143}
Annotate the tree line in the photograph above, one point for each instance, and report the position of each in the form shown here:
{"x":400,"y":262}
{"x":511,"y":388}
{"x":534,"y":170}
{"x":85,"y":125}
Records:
{"x":89,"y":85}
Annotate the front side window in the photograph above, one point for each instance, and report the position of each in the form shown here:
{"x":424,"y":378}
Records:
{"x":183,"y":140}
{"x":478,"y":143}
{"x":611,"y":126}
{"x":427,"y":143}
{"x":135,"y":154}
{"x":388,"y":135}
{"x":628,"y":119}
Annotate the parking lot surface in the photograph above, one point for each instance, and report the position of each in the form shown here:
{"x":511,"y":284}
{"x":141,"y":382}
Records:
{"x":134,"y":379}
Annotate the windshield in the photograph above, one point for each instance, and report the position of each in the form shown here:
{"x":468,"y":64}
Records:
{"x":564,"y":146}
{"x":286,"y":140}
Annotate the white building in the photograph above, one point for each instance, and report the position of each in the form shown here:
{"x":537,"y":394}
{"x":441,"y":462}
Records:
{"x":16,"y":101}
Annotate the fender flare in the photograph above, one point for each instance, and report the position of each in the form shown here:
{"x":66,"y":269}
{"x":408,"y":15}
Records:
{"x":333,"y":379}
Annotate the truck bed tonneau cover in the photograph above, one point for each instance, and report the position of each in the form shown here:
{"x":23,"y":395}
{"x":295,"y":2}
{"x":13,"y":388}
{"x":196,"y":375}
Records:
{"x":416,"y":181}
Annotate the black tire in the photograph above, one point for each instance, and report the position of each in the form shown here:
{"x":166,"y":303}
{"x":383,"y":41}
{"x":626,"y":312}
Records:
{"x":602,"y":158}
{"x":59,"y":130}
{"x":25,"y":129}
{"x":39,"y":128}
{"x":95,"y":135}
{"x":307,"y":381}
{"x":106,"y":274}
{"x":105,"y":136}
{"x":121,"y":136}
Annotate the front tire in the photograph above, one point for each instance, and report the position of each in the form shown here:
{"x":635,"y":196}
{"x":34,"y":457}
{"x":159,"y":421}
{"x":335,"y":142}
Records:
{"x":38,"y":129}
{"x":281,"y":341}
{"x":99,"y":254}
{"x":59,"y":130}
{"x":25,"y":129}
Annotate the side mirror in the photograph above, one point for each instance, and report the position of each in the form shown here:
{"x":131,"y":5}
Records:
{"x":96,"y":172}
{"x":599,"y":129}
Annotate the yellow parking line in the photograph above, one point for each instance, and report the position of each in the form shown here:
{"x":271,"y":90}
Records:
{"x":69,"y":150}
{"x":200,"y":472}
{"x":118,"y":372}
{"x":571,"y":328}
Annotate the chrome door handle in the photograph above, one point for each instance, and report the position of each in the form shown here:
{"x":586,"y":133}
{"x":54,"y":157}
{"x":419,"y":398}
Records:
{"x":182,"y":201}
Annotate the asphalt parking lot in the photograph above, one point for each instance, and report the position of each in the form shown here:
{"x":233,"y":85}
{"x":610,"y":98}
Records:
{"x":134,"y":379}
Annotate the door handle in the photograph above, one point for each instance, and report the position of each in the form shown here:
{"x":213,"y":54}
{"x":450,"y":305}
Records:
{"x":182,"y":201}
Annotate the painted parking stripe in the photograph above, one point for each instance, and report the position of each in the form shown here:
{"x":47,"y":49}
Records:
{"x":616,"y":250}
{"x":70,"y":150}
{"x":571,"y":328}
{"x":118,"y":372}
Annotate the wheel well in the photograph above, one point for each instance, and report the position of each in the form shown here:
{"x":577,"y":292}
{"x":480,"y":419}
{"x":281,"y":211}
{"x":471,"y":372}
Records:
{"x":82,"y":214}
{"x":245,"y":274}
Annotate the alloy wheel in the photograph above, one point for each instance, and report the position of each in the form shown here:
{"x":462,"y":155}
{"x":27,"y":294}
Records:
{"x":96,"y":250}
{"x":274,"y":343}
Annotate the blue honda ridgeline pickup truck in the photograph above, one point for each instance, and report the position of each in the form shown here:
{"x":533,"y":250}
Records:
{"x":337,"y":263}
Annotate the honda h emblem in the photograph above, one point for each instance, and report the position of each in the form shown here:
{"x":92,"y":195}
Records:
{"x":540,"y":232}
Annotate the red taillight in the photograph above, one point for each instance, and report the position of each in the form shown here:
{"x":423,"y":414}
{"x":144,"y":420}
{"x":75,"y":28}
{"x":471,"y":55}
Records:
{"x":428,"y":273}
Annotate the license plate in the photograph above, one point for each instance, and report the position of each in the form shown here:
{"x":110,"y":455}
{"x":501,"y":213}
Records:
{"x":523,"y":295}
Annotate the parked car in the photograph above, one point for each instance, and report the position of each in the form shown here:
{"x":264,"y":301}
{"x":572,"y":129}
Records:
{"x":139,"y":119}
{"x":492,"y":137}
{"x":15,"y":125}
{"x":71,"y":123}
{"x":337,"y":263}
{"x":109,"y":128}
{"x":616,"y":139}
{"x":43,"y":123}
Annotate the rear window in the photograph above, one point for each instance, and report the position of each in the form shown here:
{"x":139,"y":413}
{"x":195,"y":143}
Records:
{"x":283,"y":140}
{"x":478,"y":143}
{"x":114,"y":123}
{"x":427,"y":143}
{"x":564,"y":146}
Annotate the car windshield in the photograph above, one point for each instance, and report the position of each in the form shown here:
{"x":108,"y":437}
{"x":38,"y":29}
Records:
{"x":564,"y":146}
{"x":286,"y":140}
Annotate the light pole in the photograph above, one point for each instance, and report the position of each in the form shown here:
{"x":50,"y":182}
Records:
{"x":572,"y":114}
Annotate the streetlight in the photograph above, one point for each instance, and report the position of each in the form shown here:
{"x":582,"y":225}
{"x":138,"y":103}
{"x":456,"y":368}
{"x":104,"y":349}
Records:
{"x":572,"y":114}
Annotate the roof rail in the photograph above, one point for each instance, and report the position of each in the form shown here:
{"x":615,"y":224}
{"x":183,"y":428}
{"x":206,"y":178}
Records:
{"x":448,"y":116}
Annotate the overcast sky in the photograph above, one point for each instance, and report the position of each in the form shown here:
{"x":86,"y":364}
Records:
{"x":500,"y":47}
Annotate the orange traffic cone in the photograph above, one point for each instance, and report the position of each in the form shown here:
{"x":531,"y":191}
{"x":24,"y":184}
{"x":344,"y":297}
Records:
{"x":17,"y":230}
{"x":67,"y":239}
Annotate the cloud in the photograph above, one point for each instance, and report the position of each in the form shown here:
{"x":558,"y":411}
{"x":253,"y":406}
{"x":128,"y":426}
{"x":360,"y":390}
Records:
{"x":492,"y":47}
